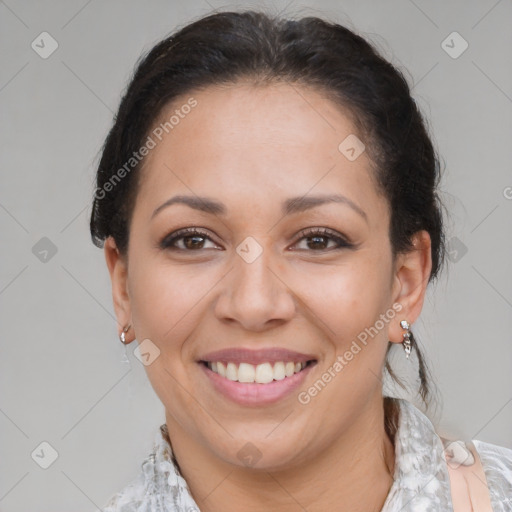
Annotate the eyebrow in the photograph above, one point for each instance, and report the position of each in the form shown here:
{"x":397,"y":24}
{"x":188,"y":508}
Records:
{"x":289,"y":206}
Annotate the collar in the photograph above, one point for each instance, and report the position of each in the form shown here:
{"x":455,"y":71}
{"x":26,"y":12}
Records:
{"x":421,"y":479}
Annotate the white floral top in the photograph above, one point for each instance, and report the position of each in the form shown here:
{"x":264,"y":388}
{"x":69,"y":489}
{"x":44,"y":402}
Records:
{"x":421,"y":479}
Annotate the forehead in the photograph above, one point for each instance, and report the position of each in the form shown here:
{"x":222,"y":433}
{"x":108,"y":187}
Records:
{"x":258,"y":143}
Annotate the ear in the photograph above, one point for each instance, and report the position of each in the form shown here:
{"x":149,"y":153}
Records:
{"x":412,"y":271}
{"x":118,"y":269}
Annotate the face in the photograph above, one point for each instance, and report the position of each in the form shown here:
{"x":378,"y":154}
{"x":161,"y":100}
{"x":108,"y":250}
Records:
{"x":285,"y":262}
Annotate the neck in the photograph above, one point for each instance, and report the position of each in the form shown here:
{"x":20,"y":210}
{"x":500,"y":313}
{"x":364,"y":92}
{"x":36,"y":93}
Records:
{"x":354,"y":473}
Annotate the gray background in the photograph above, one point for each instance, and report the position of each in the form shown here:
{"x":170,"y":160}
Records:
{"x":62,"y":375}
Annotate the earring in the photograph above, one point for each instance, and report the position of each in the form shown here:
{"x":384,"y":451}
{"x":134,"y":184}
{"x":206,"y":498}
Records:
{"x":407,"y":338}
{"x":122,"y":337}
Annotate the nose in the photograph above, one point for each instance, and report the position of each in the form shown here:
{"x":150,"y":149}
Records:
{"x":255,"y":294}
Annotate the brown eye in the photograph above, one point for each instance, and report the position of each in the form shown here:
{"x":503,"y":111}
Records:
{"x":192,"y":240}
{"x":318,"y":240}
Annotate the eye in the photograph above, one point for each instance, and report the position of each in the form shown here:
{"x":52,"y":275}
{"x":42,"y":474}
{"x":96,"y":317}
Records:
{"x":320,"y":237}
{"x":193,"y":239}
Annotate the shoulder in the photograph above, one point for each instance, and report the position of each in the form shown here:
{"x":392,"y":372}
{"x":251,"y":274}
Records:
{"x":129,"y":499}
{"x":497,"y":464}
{"x":158,"y":486}
{"x":140,"y":494}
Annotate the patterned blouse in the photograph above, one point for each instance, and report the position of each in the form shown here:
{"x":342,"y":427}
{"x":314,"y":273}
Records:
{"x":421,"y":480}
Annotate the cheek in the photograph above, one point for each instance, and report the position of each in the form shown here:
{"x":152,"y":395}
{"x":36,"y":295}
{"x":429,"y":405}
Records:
{"x":166,"y":301}
{"x":166,"y":307}
{"x":352,"y":304}
{"x":351,"y":297}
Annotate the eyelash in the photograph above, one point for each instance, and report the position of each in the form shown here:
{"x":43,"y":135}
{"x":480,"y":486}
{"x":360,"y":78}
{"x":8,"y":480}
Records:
{"x":169,"y":240}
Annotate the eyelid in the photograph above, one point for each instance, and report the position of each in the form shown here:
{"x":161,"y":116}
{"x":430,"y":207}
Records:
{"x":324,"y":231}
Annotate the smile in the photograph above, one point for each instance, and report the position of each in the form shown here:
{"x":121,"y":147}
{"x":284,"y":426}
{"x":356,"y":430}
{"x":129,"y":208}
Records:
{"x":256,"y":378}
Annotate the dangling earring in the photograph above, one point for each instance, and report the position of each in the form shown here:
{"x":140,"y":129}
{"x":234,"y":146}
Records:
{"x":122,"y":336}
{"x":407,"y":338}
{"x":125,"y":360}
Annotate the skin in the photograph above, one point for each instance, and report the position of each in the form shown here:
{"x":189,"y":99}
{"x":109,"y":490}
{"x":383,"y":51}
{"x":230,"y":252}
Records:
{"x":252,"y":147}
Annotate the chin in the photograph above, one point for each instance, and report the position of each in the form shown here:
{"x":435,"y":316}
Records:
{"x":263,"y":454}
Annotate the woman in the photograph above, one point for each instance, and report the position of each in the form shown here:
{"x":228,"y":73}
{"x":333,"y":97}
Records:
{"x":267,"y":202}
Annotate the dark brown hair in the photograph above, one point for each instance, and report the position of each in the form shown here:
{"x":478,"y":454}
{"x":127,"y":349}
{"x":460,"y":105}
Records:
{"x":228,"y":47}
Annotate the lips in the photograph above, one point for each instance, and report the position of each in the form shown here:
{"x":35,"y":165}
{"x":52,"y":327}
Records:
{"x":256,"y":357}
{"x":256,"y":377}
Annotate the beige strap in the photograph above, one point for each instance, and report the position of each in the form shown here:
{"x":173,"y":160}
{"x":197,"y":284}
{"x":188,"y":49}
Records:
{"x":469,"y":489}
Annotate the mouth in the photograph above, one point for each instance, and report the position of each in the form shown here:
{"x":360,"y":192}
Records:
{"x":256,"y":377}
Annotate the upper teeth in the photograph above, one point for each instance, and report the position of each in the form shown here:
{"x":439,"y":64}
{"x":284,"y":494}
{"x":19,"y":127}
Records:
{"x":261,"y":373}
